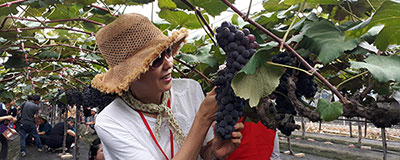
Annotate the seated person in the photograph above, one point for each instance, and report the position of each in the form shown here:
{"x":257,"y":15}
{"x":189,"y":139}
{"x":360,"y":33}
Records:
{"x":44,"y":128}
{"x":56,"y":137}
{"x":94,"y":114}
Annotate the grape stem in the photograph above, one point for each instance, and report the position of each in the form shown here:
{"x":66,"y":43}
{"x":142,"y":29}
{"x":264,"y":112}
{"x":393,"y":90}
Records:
{"x":195,"y":70}
{"x":351,"y":78}
{"x":290,"y":49}
{"x":287,"y":66}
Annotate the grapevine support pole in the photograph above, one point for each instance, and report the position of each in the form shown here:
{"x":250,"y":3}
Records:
{"x":359,"y":132}
{"x":303,"y":129}
{"x":350,"y":128}
{"x":365,"y":128}
{"x":289,"y":145}
{"x":65,"y":130}
{"x":384,"y":145}
{"x":77,"y":126}
{"x":290,"y":49}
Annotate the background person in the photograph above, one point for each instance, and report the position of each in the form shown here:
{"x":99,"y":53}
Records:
{"x":155,"y":117}
{"x":56,"y":136}
{"x":44,"y":128}
{"x":4,"y":120}
{"x":29,"y":110}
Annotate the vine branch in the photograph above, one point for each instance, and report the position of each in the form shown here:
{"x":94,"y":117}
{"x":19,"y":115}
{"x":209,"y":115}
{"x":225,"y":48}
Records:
{"x":195,"y":70}
{"x":8,"y":4}
{"x":50,"y":21}
{"x":61,"y":28}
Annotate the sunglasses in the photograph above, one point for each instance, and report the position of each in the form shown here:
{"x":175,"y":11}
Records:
{"x":165,"y":54}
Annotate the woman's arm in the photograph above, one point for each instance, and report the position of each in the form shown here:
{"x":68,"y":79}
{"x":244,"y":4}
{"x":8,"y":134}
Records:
{"x":9,"y":117}
{"x":202,"y":122}
{"x":71,"y":133}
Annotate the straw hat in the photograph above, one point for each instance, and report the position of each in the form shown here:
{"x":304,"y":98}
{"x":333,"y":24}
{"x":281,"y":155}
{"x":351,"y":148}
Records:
{"x":129,"y":45}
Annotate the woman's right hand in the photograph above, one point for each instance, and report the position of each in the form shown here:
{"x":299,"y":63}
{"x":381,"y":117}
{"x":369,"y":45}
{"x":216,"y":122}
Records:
{"x":209,"y":107}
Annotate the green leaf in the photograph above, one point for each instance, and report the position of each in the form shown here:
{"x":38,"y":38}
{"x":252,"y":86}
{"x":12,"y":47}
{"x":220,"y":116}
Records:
{"x":92,"y":56}
{"x":274,"y":5}
{"x":49,"y":54}
{"x":389,"y":16}
{"x":293,"y":2}
{"x":89,"y":27}
{"x":259,"y":58}
{"x":382,"y":68}
{"x":166,"y":4}
{"x":15,"y":62}
{"x":260,"y":84}
{"x":180,"y":18}
{"x":203,"y":56}
{"x":329,"y":111}
{"x":212,"y":7}
{"x":6,"y":95}
{"x":326,"y":40}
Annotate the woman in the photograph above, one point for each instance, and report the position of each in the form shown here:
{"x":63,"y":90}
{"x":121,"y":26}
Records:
{"x":4,"y":120}
{"x":155,"y":116}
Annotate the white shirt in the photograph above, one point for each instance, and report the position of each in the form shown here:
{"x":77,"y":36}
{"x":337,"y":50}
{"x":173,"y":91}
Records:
{"x":125,"y":136}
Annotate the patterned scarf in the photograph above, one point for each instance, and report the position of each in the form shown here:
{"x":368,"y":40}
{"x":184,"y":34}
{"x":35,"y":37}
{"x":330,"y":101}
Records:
{"x":162,"y":110}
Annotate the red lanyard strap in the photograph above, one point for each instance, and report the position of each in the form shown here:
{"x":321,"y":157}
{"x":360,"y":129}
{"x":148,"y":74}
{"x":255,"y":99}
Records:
{"x":154,"y":138}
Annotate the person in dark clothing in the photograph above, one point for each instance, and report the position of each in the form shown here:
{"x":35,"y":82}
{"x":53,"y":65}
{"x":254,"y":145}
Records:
{"x":44,"y":128}
{"x":56,"y":137}
{"x":4,"y":120}
{"x":88,"y":117}
{"x":29,"y":110}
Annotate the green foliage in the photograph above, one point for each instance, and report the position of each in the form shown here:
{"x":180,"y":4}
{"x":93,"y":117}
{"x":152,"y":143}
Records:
{"x":258,"y":85}
{"x":326,"y":40}
{"x":329,"y":111}
{"x":389,"y":16}
{"x":382,"y":68}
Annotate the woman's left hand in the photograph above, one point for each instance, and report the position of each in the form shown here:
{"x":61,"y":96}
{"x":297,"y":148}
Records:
{"x":220,"y":148}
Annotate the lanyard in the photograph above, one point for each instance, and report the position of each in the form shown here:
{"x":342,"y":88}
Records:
{"x":154,"y":138}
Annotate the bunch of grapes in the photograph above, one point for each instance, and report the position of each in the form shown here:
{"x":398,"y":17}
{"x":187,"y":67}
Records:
{"x":239,"y":46}
{"x":74,"y":97}
{"x":94,"y":98}
{"x":305,"y":86}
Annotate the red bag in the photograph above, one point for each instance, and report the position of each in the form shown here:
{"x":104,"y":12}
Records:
{"x":257,"y":142}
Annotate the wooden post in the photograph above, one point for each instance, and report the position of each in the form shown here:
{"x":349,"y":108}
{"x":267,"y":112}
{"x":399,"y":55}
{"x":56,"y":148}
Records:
{"x":65,"y":129}
{"x":320,"y":127}
{"x":365,"y":128}
{"x":351,"y":130}
{"x":290,"y":146}
{"x":303,"y":129}
{"x":384,"y":145}
{"x":77,"y":122}
{"x":359,"y":132}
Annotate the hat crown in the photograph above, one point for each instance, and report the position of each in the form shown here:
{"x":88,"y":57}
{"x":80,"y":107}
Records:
{"x":125,"y":36}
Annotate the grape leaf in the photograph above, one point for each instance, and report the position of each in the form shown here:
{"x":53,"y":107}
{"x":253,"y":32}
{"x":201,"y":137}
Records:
{"x":181,"y":18}
{"x":389,"y":15}
{"x":203,"y":56}
{"x":329,"y":111}
{"x":326,"y":40}
{"x":293,"y":2}
{"x":259,"y":58}
{"x":382,"y":68}
{"x":166,"y":4}
{"x":212,"y":7}
{"x":258,"y":85}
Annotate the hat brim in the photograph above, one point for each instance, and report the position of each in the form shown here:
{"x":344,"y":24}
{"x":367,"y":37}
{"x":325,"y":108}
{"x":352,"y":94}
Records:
{"x":117,"y":78}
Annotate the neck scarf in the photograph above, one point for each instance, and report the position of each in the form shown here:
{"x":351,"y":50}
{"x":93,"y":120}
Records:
{"x":162,"y":111}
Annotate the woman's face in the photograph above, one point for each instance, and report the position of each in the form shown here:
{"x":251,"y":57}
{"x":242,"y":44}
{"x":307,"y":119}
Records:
{"x":100,"y":154}
{"x":156,"y":79}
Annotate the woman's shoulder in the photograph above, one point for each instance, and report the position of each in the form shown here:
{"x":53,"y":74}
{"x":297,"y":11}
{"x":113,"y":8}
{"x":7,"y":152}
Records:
{"x":180,"y":85}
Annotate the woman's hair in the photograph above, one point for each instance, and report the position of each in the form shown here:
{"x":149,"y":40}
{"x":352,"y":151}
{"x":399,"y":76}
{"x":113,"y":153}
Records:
{"x":93,"y":148}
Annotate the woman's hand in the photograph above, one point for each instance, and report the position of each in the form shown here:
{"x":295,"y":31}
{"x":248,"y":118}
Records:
{"x":208,"y":107}
{"x":220,"y":148}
